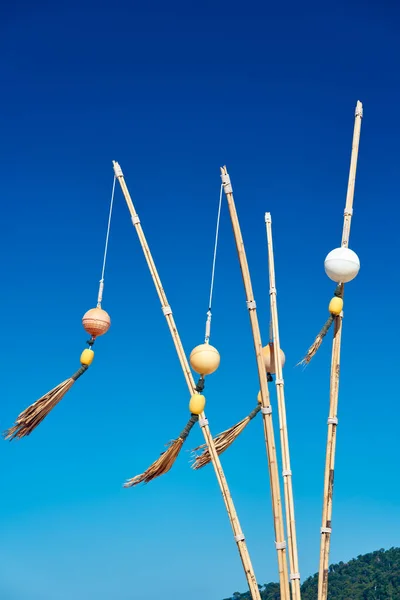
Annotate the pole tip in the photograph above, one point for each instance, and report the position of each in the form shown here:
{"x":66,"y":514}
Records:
{"x":117,"y":169}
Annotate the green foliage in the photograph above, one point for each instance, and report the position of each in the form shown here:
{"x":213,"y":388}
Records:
{"x":374,"y":576}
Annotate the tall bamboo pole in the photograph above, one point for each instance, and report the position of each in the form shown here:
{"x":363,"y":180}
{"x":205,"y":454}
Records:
{"x":280,"y":392}
{"x":326,"y":528}
{"x":203,"y":422}
{"x":266,"y":409}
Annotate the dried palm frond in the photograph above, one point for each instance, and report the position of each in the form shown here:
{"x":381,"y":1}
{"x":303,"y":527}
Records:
{"x":32,"y":416}
{"x":222,"y":441}
{"x":166,"y":460}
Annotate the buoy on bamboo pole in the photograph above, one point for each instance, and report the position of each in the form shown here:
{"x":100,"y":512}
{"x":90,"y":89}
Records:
{"x":201,"y":454}
{"x":341,"y":265}
{"x":343,"y":270}
{"x":96,"y":323}
{"x":167,"y":459}
{"x":266,"y":408}
{"x":278,"y":358}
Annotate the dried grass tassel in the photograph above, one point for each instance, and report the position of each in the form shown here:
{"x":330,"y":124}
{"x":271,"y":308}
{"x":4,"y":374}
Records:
{"x":223,"y":440}
{"x":166,"y":460}
{"x":313,"y":349}
{"x":32,"y":416}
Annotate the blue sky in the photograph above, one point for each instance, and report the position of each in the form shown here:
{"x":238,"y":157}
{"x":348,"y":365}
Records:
{"x":172,"y":91}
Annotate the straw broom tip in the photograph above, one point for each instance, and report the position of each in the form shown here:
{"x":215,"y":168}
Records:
{"x":222,"y":441}
{"x":32,"y":416}
{"x":159,"y":467}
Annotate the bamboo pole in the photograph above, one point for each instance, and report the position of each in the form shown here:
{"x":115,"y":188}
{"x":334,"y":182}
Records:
{"x":266,"y":408}
{"x":280,"y":392}
{"x":203,"y":422}
{"x":326,"y":529}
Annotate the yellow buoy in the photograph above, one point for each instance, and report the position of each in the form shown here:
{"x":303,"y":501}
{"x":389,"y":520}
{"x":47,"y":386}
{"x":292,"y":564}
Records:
{"x":197,"y":404}
{"x":204,"y":359}
{"x":269,"y":358}
{"x":87,"y":357}
{"x":336,"y":306}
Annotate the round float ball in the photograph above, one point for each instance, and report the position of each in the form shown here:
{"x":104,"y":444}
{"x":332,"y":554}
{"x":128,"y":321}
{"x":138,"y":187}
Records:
{"x":205,"y":359}
{"x":342,"y":265}
{"x":197,"y":404}
{"x":87,"y":357}
{"x":269,"y":358}
{"x":96,"y":321}
{"x":336,"y":306}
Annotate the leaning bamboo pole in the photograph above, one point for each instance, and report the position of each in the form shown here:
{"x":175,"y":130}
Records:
{"x":203,"y":422}
{"x":326,"y":529}
{"x":280,"y":392}
{"x":266,"y":408}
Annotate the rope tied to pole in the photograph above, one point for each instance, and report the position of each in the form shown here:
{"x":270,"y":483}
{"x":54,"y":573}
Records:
{"x":209,"y":312}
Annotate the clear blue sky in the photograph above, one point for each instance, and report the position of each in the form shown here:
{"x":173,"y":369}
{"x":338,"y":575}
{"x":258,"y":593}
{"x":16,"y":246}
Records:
{"x":172,"y":91}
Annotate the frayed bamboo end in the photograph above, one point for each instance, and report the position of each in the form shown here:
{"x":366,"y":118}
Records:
{"x":222,"y":442}
{"x":32,"y":416}
{"x":161,"y":466}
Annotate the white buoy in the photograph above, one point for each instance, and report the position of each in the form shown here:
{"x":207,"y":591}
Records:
{"x":204,"y":359}
{"x":342,"y":265}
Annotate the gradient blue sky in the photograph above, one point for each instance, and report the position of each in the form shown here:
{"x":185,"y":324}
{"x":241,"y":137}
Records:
{"x":172,"y":91}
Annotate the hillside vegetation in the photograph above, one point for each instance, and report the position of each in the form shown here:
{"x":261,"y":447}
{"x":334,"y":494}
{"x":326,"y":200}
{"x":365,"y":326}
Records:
{"x":373,"y":576}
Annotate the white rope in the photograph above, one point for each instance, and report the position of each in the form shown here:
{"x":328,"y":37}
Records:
{"x":101,"y":286}
{"x":209,"y":314}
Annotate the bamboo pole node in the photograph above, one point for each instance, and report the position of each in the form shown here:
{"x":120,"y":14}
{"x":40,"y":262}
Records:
{"x":286,"y":473}
{"x":251,"y":304}
{"x":294,"y":576}
{"x":326,"y":530}
{"x":135,"y":219}
{"x":348,"y":212}
{"x":239,"y":538}
{"x":203,"y":422}
{"x":167,"y":310}
{"x":266,"y":410}
{"x":272,"y":290}
{"x":279,"y":381}
{"x":280,"y":545}
{"x":333,"y":421}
